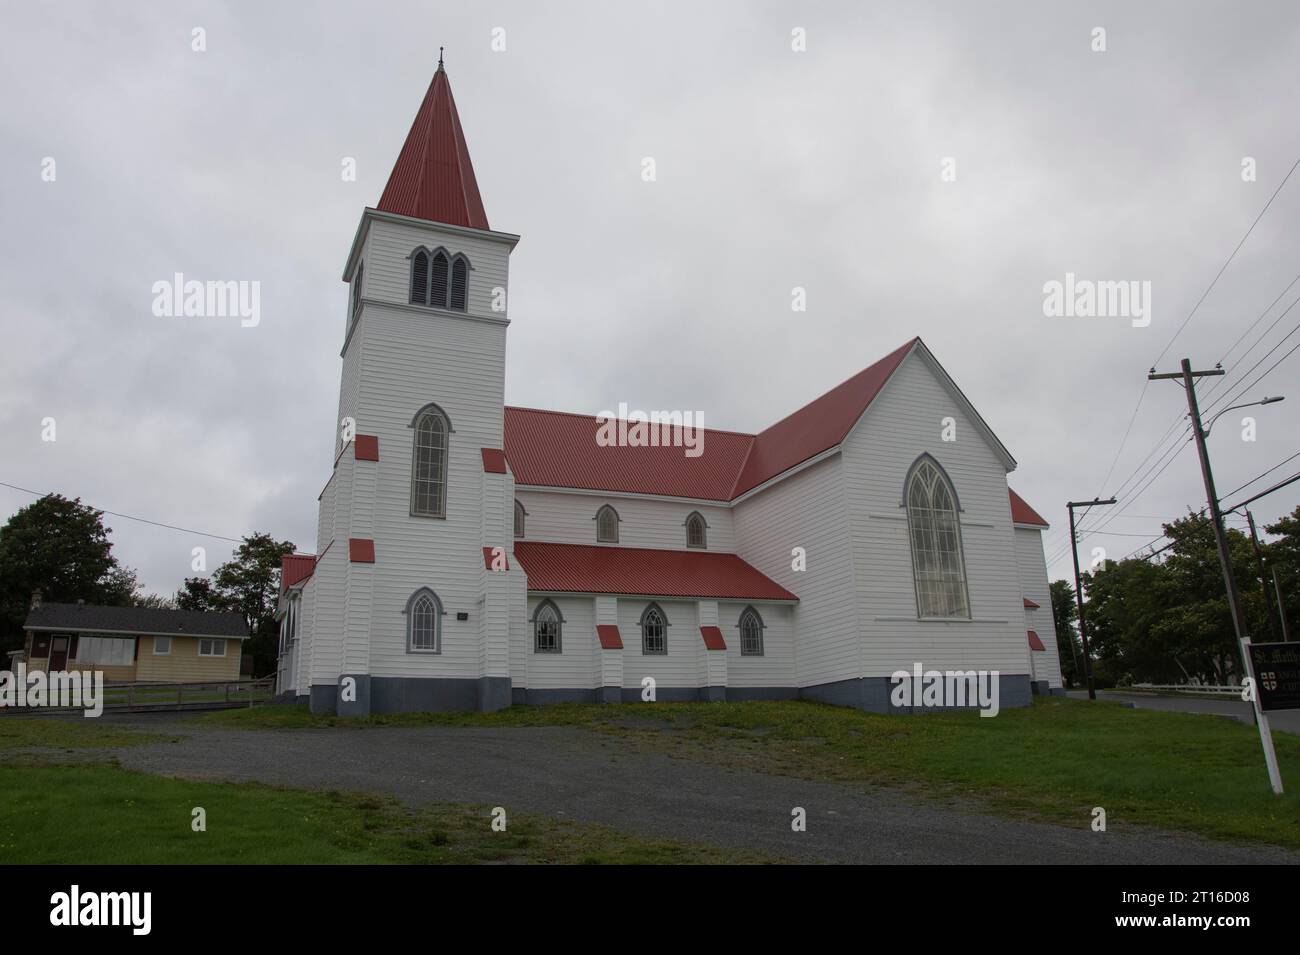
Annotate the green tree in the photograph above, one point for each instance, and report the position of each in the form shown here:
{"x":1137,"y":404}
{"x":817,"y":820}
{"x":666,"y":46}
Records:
{"x":1284,"y":554}
{"x":198,"y":593}
{"x":1064,"y":613}
{"x":250,"y":583}
{"x":60,"y":547}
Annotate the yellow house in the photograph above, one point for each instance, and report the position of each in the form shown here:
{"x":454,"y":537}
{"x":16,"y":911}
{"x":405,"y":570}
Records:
{"x":135,"y":644}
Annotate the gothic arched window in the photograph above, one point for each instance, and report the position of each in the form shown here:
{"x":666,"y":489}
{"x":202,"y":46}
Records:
{"x":607,"y":525}
{"x":424,"y":622}
{"x":934,"y":530}
{"x":429,"y":462}
{"x":697,"y":534}
{"x":654,"y":631}
{"x":751,"y":633}
{"x":546,"y":628}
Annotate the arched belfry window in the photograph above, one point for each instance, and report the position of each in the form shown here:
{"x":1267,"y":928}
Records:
{"x":424,"y":622}
{"x":751,"y":633}
{"x":607,"y":525}
{"x":934,"y":530}
{"x":429,"y":450}
{"x":440,"y":279}
{"x":697,"y":531}
{"x":547,"y":626}
{"x":654,"y":631}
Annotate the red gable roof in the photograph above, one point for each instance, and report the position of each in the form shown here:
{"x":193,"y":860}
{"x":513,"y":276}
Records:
{"x":1029,"y":604}
{"x":640,"y":571}
{"x":818,"y":426}
{"x":295,"y":568}
{"x":1022,"y":513}
{"x":556,"y":449}
{"x":433,"y":178}
{"x":1034,"y":642}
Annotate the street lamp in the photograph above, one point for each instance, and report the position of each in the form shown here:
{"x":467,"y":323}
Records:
{"x":1248,"y":404}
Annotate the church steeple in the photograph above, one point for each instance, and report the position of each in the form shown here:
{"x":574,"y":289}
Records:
{"x":433,"y":178}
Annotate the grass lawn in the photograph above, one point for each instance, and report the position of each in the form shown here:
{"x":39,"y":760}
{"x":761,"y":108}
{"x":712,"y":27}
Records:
{"x":96,"y":812}
{"x":1053,"y":761}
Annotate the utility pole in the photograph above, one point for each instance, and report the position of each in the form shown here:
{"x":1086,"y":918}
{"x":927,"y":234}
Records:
{"x":1078,"y":588}
{"x":1263,"y":574}
{"x":1281,"y":605}
{"x":1188,"y":378}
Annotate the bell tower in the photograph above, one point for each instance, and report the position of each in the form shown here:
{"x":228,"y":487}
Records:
{"x":410,"y":611}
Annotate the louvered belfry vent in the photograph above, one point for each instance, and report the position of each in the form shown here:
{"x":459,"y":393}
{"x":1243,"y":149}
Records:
{"x":459,"y":275}
{"x":438,"y":282}
{"x":420,"y":278}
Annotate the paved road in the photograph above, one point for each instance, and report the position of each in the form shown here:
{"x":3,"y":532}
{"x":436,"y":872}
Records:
{"x":1283,"y":720}
{"x":581,"y":775}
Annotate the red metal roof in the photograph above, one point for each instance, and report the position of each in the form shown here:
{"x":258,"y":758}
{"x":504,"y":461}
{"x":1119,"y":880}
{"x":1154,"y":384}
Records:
{"x":365,"y":447}
{"x":361,"y":550}
{"x":494,"y":460}
{"x":818,"y":426}
{"x":610,"y":638}
{"x":641,"y":571}
{"x":1034,"y":642}
{"x":1022,"y":513}
{"x":1030,"y":605}
{"x":556,"y":449}
{"x":295,"y":568}
{"x":713,"y":638}
{"x":433,"y":178}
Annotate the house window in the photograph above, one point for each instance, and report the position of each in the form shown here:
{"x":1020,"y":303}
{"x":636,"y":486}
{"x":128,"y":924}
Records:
{"x":654,"y":631}
{"x":356,"y":290}
{"x":546,"y":628}
{"x":162,"y":646}
{"x":696,"y":531}
{"x":938,"y":566}
{"x":751,"y":633}
{"x":520,"y":514}
{"x":209,"y":647}
{"x":424,"y":622}
{"x":607,"y":525}
{"x":429,"y":463}
{"x":105,"y":651}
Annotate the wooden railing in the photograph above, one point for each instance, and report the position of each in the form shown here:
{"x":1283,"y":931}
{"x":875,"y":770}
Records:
{"x":160,"y":696}
{"x":1184,"y":688}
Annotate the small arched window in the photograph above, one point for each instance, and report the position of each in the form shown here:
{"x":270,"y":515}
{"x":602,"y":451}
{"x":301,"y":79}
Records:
{"x":429,"y":463}
{"x":438,"y":280}
{"x":356,"y":290}
{"x":697,"y":534}
{"x":520,"y":514}
{"x":751,"y":633}
{"x":424,"y":622}
{"x":547,"y":624}
{"x":938,"y":565}
{"x":459,"y":283}
{"x":654,"y":631}
{"x":420,"y":277}
{"x":607,"y":525}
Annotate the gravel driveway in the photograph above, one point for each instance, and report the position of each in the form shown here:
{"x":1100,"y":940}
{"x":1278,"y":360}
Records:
{"x":586,"y":776}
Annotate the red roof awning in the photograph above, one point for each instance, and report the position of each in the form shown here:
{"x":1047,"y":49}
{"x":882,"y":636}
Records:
{"x":713,"y":638}
{"x":643,"y":572}
{"x":295,"y":568}
{"x":1022,"y":513}
{"x":1030,"y":605}
{"x":494,"y":460}
{"x":1034,"y":642}
{"x":610,"y":638}
{"x":490,"y":554}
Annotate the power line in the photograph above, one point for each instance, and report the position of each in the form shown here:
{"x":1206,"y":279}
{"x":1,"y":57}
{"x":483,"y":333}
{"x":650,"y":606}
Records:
{"x":132,"y":517}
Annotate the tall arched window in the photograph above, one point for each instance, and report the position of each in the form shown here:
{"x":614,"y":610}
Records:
{"x":546,"y":628}
{"x":751,"y":633}
{"x":429,"y":462}
{"x":938,"y":566}
{"x":424,"y":622}
{"x":459,"y":283}
{"x":696,"y":531}
{"x":607,"y":525}
{"x":520,"y":514}
{"x":438,"y":280}
{"x":420,"y":277}
{"x":654,"y":631}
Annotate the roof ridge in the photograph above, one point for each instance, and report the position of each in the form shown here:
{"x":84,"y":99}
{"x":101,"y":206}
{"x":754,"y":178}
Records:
{"x":592,"y":417}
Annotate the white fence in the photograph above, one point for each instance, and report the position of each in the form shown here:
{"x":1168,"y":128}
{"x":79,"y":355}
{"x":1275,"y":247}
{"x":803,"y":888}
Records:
{"x":1199,"y":690}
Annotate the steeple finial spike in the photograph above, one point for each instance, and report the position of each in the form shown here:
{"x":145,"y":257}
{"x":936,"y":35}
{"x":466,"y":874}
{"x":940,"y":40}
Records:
{"x":440,"y":59}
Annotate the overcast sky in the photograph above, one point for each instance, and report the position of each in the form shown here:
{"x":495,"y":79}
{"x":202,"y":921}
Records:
{"x":820,"y":169}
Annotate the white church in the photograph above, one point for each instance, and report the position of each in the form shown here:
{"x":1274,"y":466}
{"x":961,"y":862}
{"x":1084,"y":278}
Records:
{"x":471,"y":555}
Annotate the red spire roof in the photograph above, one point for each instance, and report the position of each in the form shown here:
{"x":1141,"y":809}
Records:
{"x":433,"y":178}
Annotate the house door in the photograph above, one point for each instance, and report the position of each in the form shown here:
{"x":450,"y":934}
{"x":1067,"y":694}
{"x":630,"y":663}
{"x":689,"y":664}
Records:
{"x":58,"y":654}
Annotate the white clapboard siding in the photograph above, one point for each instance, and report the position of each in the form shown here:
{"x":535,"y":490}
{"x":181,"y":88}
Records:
{"x":1032,"y":567}
{"x":643,"y":522}
{"x":904,"y":421}
{"x":776,"y":666}
{"x":807,"y":511}
{"x":576,"y":666}
{"x":683,"y":665}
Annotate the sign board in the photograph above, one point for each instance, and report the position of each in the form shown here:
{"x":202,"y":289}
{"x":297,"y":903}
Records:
{"x":1277,"y":674}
